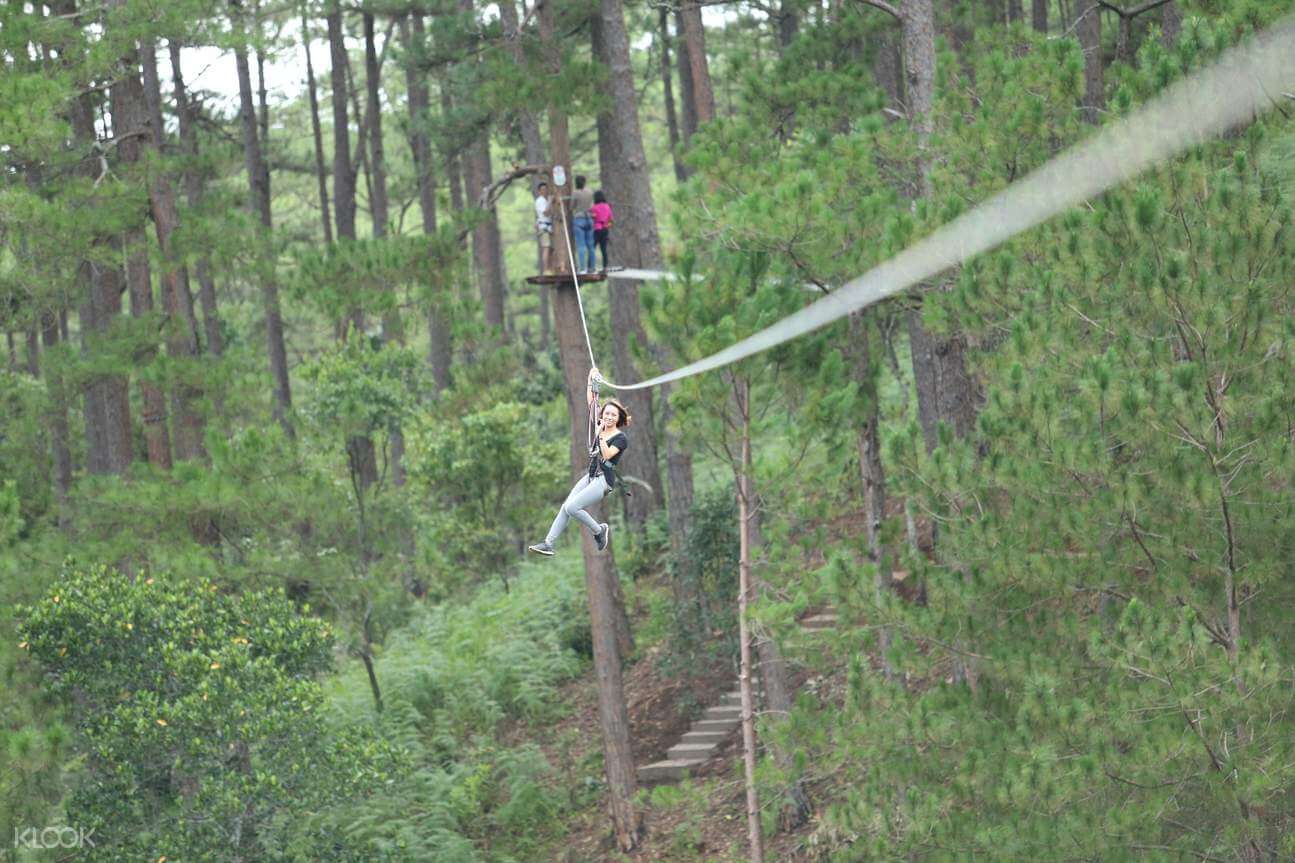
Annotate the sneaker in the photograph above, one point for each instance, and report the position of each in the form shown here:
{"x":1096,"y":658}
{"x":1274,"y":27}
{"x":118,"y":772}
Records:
{"x":542,"y":548}
{"x":604,"y":536}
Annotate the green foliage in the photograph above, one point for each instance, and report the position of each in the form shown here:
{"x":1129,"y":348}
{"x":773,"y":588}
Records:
{"x":1106,"y":537}
{"x":24,"y":450}
{"x":495,"y":478}
{"x":196,"y":712}
{"x":452,"y":677}
{"x":362,"y":390}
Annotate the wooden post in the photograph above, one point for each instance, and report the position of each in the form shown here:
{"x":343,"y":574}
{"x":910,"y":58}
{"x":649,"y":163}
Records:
{"x":744,"y":514}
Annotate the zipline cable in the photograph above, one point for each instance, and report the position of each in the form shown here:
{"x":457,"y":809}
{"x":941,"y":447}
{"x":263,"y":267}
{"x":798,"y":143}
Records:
{"x":1241,"y":84}
{"x":575,"y":278}
{"x":592,"y":424}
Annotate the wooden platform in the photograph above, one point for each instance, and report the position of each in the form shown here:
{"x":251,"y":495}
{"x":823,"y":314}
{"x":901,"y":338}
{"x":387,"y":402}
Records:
{"x":565,"y":278}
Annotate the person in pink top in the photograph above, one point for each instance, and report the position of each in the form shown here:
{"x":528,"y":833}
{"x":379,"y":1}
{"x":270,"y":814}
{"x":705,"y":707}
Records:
{"x":602,"y":213}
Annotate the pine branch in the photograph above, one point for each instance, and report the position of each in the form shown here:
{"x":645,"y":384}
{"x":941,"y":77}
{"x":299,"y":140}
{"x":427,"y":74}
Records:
{"x":1135,"y":11}
{"x":891,"y":10}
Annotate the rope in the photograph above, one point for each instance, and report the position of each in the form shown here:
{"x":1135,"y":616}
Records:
{"x":575,"y":277}
{"x":592,"y":426}
{"x":1241,"y":84}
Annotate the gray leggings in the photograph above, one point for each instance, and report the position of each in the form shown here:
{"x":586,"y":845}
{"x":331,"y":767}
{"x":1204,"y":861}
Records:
{"x":584,"y":493}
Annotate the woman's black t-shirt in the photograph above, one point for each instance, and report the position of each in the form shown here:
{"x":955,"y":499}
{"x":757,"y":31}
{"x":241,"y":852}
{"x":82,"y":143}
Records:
{"x":607,"y":467}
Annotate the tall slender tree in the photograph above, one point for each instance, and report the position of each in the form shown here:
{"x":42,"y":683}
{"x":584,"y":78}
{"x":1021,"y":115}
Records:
{"x":667,"y":92}
{"x":129,"y":130}
{"x":412,"y":34}
{"x":177,"y":299}
{"x":605,"y":613}
{"x":1088,"y":26}
{"x":625,"y":175}
{"x":694,"y":43}
{"x":258,"y":178}
{"x":321,"y":173}
{"x":107,"y":404}
{"x":193,"y":189}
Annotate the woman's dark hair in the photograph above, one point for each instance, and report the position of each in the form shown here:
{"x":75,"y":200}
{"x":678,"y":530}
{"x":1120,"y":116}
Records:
{"x":599,"y":197}
{"x":541,"y":185}
{"x":624,"y":418}
{"x":580,"y":181}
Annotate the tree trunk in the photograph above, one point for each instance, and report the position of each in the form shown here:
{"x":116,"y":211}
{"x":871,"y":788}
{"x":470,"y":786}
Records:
{"x":177,"y":300}
{"x":487,"y":250}
{"x":687,"y":95}
{"x":773,"y":668}
{"x":788,"y":25}
{"x":391,"y":326}
{"x":618,"y":756}
{"x":625,"y":174}
{"x":888,"y":67}
{"x":946,"y":392}
{"x":667,"y":87}
{"x":453,"y":165}
{"x":373,"y":122}
{"x":486,"y":243}
{"x":1171,"y":23}
{"x":439,"y":347}
{"x":139,"y":282}
{"x":1089,"y":29}
{"x":258,"y":177}
{"x":679,"y":477}
{"x":59,"y":436}
{"x":864,"y":372}
{"x":1015,"y":11}
{"x":918,"y":28}
{"x":1039,"y":15}
{"x":360,"y":449}
{"x":107,"y":399}
{"x":343,"y":171}
{"x":1124,"y":39}
{"x":532,"y":142}
{"x":870,"y":466}
{"x":261,"y":94}
{"x":694,"y":33}
{"x":33,"y":351}
{"x":745,"y":512}
{"x":193,"y":183}
{"x":321,"y":173}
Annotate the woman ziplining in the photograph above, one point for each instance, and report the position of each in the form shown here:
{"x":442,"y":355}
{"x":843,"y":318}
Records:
{"x":607,"y":444}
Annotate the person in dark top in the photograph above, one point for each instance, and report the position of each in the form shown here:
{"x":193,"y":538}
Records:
{"x":600,"y":478}
{"x":601,"y":212}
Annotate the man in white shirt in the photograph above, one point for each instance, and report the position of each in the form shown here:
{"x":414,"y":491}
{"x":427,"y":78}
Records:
{"x":544,"y":225}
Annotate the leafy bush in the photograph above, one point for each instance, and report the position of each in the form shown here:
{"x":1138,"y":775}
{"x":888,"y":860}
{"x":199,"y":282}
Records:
{"x":451,"y":677}
{"x":494,"y":481}
{"x":704,"y":582}
{"x":196,"y":714}
{"x":24,"y":449}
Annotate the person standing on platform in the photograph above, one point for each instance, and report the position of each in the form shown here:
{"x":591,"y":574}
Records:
{"x":602,"y":214}
{"x":544,"y":226}
{"x":582,"y":224}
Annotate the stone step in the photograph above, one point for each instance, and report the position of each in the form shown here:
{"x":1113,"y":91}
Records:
{"x":819,"y":621}
{"x":705,"y":737}
{"x":665,"y":771}
{"x":734,"y":699}
{"x":691,"y":751}
{"x":726,"y":712}
{"x":722,"y":726}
